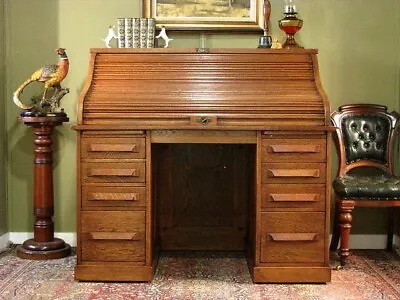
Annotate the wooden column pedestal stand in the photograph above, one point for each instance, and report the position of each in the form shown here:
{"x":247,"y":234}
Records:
{"x":43,"y":245}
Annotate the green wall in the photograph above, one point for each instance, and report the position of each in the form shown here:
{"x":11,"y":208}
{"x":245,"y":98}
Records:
{"x":358,"y":42}
{"x":3,"y":210}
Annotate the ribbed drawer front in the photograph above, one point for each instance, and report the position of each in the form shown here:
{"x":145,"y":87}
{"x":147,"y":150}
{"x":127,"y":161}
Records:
{"x":307,"y":196}
{"x":294,"y":150}
{"x":293,"y":173}
{"x":113,"y":236}
{"x":113,"y":172}
{"x":108,"y":147}
{"x":292,"y":237}
{"x":105,"y":196}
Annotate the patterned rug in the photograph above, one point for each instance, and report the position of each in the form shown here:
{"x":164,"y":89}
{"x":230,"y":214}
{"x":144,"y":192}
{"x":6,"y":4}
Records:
{"x":370,"y":274}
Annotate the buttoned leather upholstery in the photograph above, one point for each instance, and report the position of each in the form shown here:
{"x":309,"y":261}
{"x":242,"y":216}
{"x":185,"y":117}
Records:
{"x":378,"y":187}
{"x":365,"y":137}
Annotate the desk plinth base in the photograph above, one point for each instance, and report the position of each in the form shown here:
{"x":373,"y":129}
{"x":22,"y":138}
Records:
{"x":113,"y":272}
{"x":54,"y":249}
{"x":100,"y":271}
{"x":291,"y":274}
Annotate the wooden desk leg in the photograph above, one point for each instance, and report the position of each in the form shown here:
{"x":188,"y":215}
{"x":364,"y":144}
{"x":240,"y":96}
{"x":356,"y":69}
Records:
{"x":43,"y":245}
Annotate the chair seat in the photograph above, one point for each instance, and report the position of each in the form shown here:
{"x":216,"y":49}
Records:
{"x":377,"y":187}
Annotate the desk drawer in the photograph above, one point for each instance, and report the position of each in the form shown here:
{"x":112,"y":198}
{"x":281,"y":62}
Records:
{"x":292,"y":237}
{"x":105,"y":196}
{"x":109,"y":147}
{"x":113,"y":236}
{"x":113,"y":172}
{"x":304,"y":196}
{"x":293,"y":173}
{"x":305,"y":149}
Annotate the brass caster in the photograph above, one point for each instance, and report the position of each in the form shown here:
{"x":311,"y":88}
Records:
{"x":337,"y":268}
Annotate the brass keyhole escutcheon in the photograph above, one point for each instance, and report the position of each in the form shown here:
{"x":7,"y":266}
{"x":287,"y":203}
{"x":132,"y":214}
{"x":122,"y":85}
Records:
{"x":204,"y":120}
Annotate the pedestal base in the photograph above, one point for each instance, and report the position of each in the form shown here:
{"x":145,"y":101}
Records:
{"x":54,"y":249}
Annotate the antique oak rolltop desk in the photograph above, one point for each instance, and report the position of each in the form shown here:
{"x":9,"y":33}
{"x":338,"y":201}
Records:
{"x":203,"y":149}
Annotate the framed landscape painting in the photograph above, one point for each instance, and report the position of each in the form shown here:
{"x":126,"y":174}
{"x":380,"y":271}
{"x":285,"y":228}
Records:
{"x":205,"y":14}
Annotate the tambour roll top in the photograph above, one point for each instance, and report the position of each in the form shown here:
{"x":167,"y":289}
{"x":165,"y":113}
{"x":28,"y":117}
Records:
{"x":211,"y":88}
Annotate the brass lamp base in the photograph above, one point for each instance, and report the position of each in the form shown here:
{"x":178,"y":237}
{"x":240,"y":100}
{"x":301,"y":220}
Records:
{"x":290,"y":24}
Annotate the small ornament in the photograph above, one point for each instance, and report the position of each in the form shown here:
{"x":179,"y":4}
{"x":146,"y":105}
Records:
{"x":110,"y":35}
{"x":276,"y":44}
{"x":164,"y":36}
{"x":265,"y":40}
{"x":51,"y":76}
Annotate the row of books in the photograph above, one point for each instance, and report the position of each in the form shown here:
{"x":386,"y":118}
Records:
{"x":136,"y":32}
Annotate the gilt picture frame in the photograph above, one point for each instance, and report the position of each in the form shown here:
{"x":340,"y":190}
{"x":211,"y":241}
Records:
{"x":210,"y":15}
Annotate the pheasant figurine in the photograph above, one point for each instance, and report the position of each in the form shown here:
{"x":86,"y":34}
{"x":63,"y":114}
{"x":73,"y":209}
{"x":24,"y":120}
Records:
{"x":50,"y":75}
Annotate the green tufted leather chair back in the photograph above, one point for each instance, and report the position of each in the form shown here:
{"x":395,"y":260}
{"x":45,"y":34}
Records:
{"x":365,"y":136}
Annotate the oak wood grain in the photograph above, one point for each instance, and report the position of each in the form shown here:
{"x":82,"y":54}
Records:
{"x":293,"y":196}
{"x":111,"y":196}
{"x":224,"y":149}
{"x":292,"y":237}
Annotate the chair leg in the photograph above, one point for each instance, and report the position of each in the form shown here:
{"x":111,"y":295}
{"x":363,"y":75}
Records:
{"x":389,"y":243}
{"x":335,"y":231}
{"x":345,"y":219}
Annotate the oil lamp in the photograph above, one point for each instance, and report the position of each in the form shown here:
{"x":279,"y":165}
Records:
{"x":290,"y":24}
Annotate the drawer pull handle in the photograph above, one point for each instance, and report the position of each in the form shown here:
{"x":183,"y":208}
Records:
{"x":113,"y":148}
{"x":294,"y":148}
{"x":315,"y":173}
{"x":294,"y":197}
{"x":123,"y":236}
{"x":292,"y":237}
{"x":114,"y":172}
{"x":113,"y":197}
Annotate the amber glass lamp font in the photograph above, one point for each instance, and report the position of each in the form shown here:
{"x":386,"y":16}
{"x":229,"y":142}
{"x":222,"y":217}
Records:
{"x":290,"y":24}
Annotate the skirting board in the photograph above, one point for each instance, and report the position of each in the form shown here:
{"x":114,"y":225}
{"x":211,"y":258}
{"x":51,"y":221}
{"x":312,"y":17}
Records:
{"x":4,"y":241}
{"x":357,"y":241}
{"x":396,"y":241}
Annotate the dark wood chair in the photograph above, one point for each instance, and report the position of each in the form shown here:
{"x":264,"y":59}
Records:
{"x":365,"y":135}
